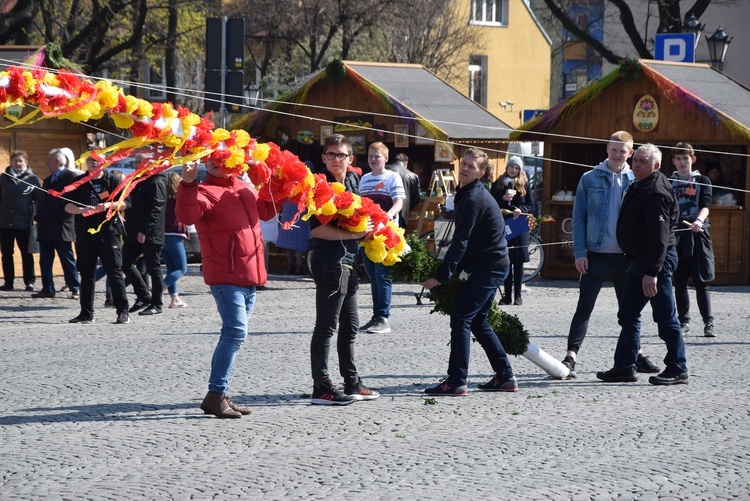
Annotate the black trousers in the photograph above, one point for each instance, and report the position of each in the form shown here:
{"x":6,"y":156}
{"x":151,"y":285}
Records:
{"x":109,"y":251}
{"x":8,"y":237}
{"x":152,"y":262}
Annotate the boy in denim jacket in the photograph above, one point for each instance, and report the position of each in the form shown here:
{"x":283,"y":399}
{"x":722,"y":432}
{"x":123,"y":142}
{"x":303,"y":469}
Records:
{"x":598,"y":257}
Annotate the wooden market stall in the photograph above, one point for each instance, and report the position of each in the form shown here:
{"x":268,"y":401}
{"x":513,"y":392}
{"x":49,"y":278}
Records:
{"x":661,"y":103}
{"x":405,"y":106}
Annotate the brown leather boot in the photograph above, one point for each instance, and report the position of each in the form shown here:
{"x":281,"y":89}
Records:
{"x":218,"y":405}
{"x":242,"y":410}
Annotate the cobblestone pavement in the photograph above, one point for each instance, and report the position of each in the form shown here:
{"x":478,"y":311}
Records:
{"x":108,"y":411}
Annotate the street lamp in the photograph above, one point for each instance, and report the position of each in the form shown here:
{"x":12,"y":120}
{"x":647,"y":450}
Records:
{"x":718,"y":44}
{"x":693,"y":26}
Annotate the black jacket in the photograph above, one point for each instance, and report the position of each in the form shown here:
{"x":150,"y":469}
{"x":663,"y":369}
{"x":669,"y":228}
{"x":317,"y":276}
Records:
{"x":17,"y":199}
{"x":53,"y":223}
{"x":93,"y":192}
{"x":647,"y":222}
{"x":479,"y":236}
{"x":148,"y":207}
{"x":411,"y":189}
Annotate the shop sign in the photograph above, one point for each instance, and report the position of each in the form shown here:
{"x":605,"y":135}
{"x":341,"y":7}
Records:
{"x":646,"y":113}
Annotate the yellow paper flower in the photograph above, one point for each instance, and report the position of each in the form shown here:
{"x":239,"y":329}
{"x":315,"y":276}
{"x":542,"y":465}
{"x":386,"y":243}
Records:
{"x":261,"y":152}
{"x":132,"y":104}
{"x":375,"y":248}
{"x":220,"y":135}
{"x":108,"y":94}
{"x":145,"y":109}
{"x":122,"y":121}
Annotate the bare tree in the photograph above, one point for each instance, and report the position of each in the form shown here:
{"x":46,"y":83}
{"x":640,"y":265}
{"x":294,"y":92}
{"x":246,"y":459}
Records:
{"x":670,"y":19}
{"x":432,"y":33}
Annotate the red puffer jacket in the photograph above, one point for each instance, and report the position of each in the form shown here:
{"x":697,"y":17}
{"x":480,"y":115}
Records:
{"x":226,"y":213}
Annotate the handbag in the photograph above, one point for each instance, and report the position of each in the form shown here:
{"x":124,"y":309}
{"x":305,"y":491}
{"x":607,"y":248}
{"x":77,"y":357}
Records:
{"x":33,"y":247}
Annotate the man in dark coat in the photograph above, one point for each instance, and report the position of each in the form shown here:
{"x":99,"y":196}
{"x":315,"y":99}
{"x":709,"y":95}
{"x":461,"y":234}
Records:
{"x":18,"y":193}
{"x":646,"y":234}
{"x":478,"y":248}
{"x":411,"y":187}
{"x":56,"y":229}
{"x":144,"y":234}
{"x":103,"y":243}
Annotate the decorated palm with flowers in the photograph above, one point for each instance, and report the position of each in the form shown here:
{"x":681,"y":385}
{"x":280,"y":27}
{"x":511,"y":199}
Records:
{"x":418,"y":265}
{"x":170,"y":135}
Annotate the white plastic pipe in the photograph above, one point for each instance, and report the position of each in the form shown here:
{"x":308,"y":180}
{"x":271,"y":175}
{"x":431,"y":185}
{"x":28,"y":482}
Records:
{"x":550,"y":365}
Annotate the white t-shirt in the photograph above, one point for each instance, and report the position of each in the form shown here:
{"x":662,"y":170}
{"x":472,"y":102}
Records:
{"x":383,"y":189}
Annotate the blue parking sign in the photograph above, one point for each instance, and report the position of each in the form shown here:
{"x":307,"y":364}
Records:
{"x":679,"y":47}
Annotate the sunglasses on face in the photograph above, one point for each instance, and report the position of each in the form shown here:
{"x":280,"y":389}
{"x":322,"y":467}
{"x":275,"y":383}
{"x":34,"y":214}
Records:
{"x":336,"y":156}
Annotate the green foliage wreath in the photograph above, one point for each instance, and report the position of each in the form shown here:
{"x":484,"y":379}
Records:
{"x":419,"y":265}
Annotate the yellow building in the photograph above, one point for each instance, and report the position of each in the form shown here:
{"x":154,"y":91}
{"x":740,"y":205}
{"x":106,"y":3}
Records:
{"x":511,"y":72}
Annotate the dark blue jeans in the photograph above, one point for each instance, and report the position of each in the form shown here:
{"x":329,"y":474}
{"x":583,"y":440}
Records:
{"x":380,"y":285}
{"x":601,"y":267}
{"x":64,"y":251}
{"x":335,"y":311}
{"x":470,"y":316}
{"x":665,"y":315}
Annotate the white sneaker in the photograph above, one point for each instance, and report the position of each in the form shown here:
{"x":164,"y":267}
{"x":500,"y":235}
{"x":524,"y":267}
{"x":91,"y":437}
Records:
{"x":177,"y":303}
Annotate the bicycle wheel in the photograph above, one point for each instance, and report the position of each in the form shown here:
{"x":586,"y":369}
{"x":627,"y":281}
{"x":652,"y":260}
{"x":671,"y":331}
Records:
{"x":536,"y":259}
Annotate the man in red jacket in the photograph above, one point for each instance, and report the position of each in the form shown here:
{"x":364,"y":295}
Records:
{"x":226,"y":213}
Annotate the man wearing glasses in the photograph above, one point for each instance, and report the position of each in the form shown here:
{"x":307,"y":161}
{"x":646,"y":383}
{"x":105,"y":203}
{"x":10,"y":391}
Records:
{"x":336,"y":284}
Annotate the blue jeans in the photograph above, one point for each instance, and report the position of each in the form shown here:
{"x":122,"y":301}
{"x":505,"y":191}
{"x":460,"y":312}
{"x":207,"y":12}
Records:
{"x":235,"y":304}
{"x":380,"y":286}
{"x":335,"y":311}
{"x":175,"y":258}
{"x":64,"y":251}
{"x":601,"y":267}
{"x":470,"y":316}
{"x":665,"y":315}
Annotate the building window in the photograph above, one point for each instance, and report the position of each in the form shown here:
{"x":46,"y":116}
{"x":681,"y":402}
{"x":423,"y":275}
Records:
{"x":157,"y":83}
{"x":478,"y":79}
{"x":491,"y":12}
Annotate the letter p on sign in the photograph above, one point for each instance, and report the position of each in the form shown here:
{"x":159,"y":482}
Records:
{"x":678,"y":47}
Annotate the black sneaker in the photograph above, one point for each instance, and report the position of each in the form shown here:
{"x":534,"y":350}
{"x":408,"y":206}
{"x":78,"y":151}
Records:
{"x":151,"y":310}
{"x":81,"y":319}
{"x":327,"y":394}
{"x":570,"y":363}
{"x":29,"y":288}
{"x":6,"y":287}
{"x":123,"y":318}
{"x":617,"y":376}
{"x":685,"y":327}
{"x":643,"y":364}
{"x":138,"y":305}
{"x":668,"y":378}
{"x":497,"y":384}
{"x":360,"y":391}
{"x":447,"y":389}
{"x":369,"y":324}
{"x":708,"y":330}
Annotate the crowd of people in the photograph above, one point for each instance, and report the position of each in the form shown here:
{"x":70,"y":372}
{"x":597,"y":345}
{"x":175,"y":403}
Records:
{"x":104,"y":239}
{"x":633,"y":226}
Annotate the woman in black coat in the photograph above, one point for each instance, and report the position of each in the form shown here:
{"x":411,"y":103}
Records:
{"x":512,"y":192}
